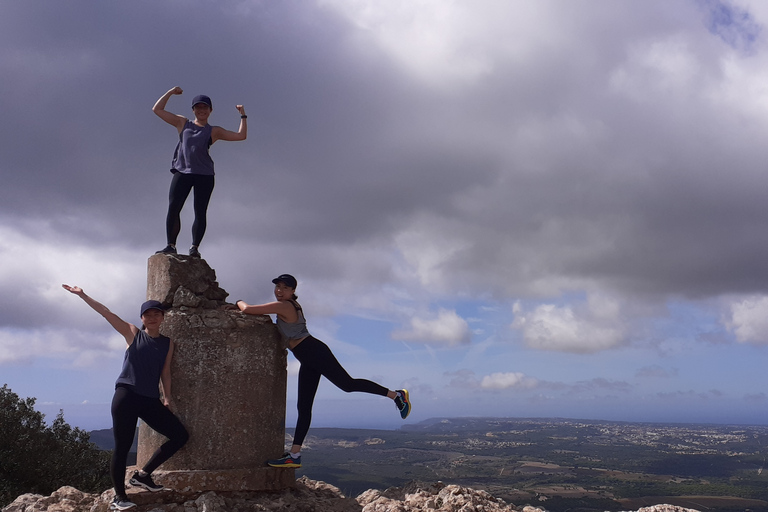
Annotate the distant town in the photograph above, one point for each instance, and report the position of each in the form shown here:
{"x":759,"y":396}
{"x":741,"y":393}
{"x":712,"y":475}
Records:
{"x":559,"y":464}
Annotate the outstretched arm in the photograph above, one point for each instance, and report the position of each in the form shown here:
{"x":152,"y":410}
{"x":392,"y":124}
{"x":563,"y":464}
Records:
{"x":172,"y":119}
{"x":280,"y":308}
{"x":219,"y":133}
{"x":126,"y":329}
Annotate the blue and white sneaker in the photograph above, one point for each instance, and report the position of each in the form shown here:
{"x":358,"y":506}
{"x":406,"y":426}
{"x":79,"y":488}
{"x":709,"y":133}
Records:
{"x":286,"y":461}
{"x":403,"y":403}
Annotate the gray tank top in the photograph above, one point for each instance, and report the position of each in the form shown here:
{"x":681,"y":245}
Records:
{"x":191,"y":155}
{"x":296,"y":330}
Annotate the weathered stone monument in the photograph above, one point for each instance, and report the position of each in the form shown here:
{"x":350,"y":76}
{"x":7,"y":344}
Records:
{"x":228,"y":385}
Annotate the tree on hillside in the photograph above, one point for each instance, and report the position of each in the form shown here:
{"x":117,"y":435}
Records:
{"x":36,"y":458}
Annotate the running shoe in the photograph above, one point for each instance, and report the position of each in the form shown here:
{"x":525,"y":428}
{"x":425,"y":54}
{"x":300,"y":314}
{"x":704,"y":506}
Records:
{"x":403,"y":403}
{"x":145,"y":481}
{"x":169,"y":249}
{"x":121,"y":503}
{"x":286,"y":461}
{"x":194,"y":252}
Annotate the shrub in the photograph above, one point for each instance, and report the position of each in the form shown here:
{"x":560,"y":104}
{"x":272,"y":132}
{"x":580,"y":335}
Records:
{"x":36,"y":458}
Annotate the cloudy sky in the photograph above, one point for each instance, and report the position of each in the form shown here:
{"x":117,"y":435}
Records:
{"x":511,"y":208}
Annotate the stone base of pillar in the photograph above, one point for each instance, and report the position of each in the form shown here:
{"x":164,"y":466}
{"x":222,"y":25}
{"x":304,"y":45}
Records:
{"x":229,"y":383}
{"x":223,"y":480}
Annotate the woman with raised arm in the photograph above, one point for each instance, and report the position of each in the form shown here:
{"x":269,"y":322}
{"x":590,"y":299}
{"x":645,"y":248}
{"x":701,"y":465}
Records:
{"x":192,"y":166}
{"x":147,"y":362}
{"x":316,"y":360}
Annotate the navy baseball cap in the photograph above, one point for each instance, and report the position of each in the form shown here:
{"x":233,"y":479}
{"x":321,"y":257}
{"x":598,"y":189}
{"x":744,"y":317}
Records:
{"x":202,"y":98}
{"x":151,"y":304}
{"x":288,"y":279}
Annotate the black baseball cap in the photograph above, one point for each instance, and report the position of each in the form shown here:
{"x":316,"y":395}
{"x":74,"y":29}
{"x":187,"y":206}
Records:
{"x":202,"y":98}
{"x":151,"y":304}
{"x":288,"y":279}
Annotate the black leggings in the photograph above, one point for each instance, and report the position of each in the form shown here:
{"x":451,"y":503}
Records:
{"x":317,"y":360}
{"x":181,"y":185}
{"x":127,"y":408}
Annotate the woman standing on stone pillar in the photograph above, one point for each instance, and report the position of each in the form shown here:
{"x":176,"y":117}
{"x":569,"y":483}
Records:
{"x":147,"y":361}
{"x":316,"y":360}
{"x":192,"y":166}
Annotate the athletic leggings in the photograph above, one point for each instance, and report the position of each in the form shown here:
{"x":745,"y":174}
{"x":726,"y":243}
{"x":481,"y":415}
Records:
{"x":317,"y":360}
{"x":127,"y":408}
{"x":181,"y":185}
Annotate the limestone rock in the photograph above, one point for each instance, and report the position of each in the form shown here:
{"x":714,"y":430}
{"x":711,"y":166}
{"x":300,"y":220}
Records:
{"x":102,"y":502}
{"x":66,"y":499}
{"x":307,"y":496}
{"x":23,"y":503}
{"x":184,"y":297}
{"x":433,"y":497}
{"x":666,"y":508}
{"x":175,"y":280}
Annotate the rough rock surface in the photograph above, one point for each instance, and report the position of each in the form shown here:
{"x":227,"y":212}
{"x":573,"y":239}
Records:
{"x":66,"y":499}
{"x":221,"y":358}
{"x":177,"y":280}
{"x":307,"y":496}
{"x":666,"y":508}
{"x":434,"y":497}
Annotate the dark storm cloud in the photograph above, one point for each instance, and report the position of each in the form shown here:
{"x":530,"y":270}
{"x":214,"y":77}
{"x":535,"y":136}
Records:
{"x":598,"y":149}
{"x":547,"y":195}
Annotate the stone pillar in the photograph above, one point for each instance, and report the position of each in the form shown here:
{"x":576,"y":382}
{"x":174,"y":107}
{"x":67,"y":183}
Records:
{"x":228,"y":385}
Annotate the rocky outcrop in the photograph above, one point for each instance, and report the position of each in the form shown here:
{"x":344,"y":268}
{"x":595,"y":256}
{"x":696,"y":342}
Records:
{"x":66,"y":499}
{"x":666,"y":508}
{"x":307,"y":496}
{"x":434,"y":497}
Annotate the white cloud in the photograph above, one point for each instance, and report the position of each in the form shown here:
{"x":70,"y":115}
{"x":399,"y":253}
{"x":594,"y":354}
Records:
{"x":595,"y":327}
{"x":78,"y":349}
{"x":749,"y":320}
{"x":439,"y":42}
{"x":467,"y":379}
{"x":656,"y":67}
{"x":36,"y":254}
{"x":42,"y":320}
{"x":427,"y":246}
{"x":505,"y":380}
{"x":447,"y":328}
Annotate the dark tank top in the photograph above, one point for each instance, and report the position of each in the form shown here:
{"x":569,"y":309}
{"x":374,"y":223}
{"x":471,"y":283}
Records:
{"x":143,"y":363}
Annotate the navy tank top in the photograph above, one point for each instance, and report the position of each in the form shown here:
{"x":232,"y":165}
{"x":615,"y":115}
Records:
{"x":191,"y":155}
{"x":143,"y":363}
